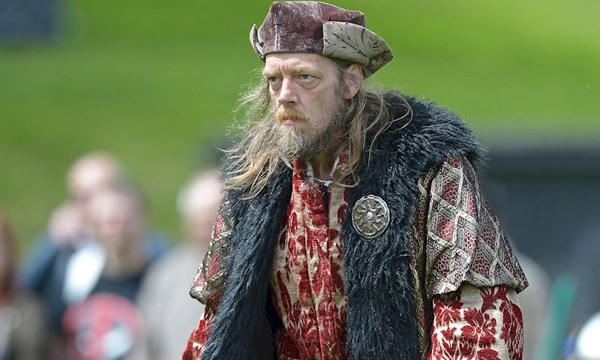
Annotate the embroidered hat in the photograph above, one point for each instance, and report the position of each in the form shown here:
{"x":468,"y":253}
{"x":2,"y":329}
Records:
{"x":320,"y":28}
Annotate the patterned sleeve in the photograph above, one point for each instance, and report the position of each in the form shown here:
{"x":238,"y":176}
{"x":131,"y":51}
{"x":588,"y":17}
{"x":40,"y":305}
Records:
{"x":208,"y":283}
{"x":470,"y":274}
{"x":464,"y":242}
{"x":477,"y":323}
{"x":199,"y":336}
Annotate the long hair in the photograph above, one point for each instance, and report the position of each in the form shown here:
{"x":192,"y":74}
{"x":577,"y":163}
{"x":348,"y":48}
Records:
{"x":253,"y":161}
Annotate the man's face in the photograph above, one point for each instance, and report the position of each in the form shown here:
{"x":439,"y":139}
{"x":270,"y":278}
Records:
{"x":305,"y":90}
{"x":89,"y":177}
{"x":115,"y":221}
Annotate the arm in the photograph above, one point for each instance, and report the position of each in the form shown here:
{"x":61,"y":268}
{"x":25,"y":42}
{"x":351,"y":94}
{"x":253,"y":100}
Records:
{"x":477,"y":323}
{"x":471,"y":272}
{"x":199,"y":336}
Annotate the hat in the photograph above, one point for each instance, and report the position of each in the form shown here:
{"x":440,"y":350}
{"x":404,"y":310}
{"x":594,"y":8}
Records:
{"x":320,"y":28}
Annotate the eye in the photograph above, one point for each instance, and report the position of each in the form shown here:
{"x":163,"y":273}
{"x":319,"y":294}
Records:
{"x":306,"y":77}
{"x":272,"y":80}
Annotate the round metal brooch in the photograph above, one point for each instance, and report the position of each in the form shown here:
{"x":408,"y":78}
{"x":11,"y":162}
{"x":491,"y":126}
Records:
{"x":370,"y":216}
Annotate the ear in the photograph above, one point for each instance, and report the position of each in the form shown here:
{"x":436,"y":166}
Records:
{"x":353,"y":81}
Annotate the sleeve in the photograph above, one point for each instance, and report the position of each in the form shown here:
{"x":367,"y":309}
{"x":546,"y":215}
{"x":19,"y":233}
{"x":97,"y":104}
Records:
{"x":464,"y":241}
{"x":471,"y":274}
{"x":477,"y":323}
{"x":209,"y":283}
{"x":199,"y":336}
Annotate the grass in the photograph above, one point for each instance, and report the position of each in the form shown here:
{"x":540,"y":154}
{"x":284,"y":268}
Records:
{"x":155,"y":83}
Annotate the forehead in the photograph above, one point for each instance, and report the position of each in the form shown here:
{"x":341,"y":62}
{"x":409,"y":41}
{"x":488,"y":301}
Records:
{"x":298,"y":61}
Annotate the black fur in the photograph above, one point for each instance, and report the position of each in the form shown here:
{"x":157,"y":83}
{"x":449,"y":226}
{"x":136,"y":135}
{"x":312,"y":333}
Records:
{"x":381,"y":319}
{"x":239,"y":329}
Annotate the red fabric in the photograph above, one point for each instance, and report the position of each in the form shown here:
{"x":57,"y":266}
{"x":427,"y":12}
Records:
{"x":477,"y":323}
{"x":199,"y":336}
{"x":307,"y":278}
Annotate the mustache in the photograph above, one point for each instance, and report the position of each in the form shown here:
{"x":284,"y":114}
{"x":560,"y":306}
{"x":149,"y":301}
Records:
{"x":286,"y":113}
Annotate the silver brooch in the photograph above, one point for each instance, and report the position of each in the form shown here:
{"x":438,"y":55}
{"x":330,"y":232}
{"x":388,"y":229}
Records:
{"x":370,"y":216}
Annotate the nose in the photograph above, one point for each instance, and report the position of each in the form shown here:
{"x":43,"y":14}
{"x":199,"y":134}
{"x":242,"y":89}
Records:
{"x":287,"y":93}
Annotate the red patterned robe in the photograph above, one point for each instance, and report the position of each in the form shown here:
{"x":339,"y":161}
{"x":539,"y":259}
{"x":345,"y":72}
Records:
{"x":466,"y":303}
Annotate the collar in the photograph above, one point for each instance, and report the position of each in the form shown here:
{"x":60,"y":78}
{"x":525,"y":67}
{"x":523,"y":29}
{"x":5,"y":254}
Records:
{"x":305,"y":168}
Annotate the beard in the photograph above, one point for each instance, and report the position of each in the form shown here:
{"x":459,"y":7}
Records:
{"x":305,"y":140}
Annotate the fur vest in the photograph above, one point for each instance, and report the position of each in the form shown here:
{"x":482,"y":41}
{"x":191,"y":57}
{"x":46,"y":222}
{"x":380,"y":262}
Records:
{"x":381,"y":320}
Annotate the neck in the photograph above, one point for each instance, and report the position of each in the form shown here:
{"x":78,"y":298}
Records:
{"x":323,"y":162}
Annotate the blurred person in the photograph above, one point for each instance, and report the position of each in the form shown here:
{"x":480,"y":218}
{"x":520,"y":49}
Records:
{"x":68,"y":243}
{"x":44,"y":266}
{"x":353,"y":225}
{"x":170,"y":317}
{"x":23,"y":322}
{"x":89,"y":174}
{"x":102,"y":320}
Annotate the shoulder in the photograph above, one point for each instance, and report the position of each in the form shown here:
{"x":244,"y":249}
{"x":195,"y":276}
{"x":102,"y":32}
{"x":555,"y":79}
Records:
{"x":425,"y":113}
{"x":464,"y":238}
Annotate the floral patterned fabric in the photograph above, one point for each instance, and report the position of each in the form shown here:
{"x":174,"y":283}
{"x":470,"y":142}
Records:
{"x":465,"y":274}
{"x":477,"y":323}
{"x":307,"y":278}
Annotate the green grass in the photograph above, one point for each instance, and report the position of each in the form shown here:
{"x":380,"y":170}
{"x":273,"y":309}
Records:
{"x":155,"y":83}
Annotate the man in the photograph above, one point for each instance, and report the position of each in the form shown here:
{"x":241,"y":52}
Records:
{"x":44,"y":267}
{"x":353,"y":226}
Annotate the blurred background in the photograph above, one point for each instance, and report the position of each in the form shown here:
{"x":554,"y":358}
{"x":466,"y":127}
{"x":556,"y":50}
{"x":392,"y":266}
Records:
{"x":154,"y":83}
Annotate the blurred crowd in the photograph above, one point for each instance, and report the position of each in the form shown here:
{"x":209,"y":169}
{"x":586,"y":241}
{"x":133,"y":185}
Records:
{"x":100,"y":283}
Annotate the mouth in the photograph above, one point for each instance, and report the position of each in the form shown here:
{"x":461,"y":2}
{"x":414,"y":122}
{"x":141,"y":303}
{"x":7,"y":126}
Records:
{"x":288,"y":121}
{"x":289,"y":117}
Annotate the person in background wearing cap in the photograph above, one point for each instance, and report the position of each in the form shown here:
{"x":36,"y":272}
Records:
{"x":352,"y":226}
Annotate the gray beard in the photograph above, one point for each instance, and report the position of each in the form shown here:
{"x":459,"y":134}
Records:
{"x":295,"y":144}
{"x":301,"y":143}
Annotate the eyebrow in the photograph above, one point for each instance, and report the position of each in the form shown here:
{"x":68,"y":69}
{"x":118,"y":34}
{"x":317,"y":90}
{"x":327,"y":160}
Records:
{"x":296,"y":70}
{"x":270,"y":73}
